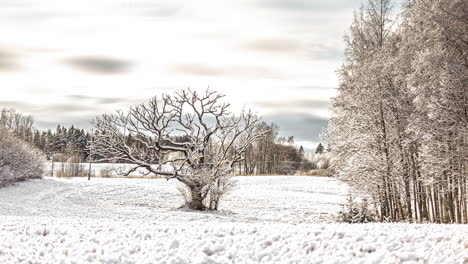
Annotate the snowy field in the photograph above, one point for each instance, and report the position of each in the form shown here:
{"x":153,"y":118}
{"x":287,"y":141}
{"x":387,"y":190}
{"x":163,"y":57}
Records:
{"x":269,"y":219}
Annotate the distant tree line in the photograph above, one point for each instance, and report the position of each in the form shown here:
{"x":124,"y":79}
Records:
{"x":275,"y":155}
{"x":270,"y":155}
{"x":58,"y":144}
{"x":399,"y":130}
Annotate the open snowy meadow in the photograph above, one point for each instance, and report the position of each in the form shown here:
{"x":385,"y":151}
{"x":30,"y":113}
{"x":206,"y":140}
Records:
{"x":269,"y":219}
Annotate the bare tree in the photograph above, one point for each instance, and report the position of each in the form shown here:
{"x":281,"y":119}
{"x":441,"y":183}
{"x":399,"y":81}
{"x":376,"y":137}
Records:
{"x":20,"y":125}
{"x":211,"y":141}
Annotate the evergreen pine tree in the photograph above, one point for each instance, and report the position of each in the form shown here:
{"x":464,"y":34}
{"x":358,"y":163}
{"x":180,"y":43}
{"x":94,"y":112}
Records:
{"x":319,"y":149}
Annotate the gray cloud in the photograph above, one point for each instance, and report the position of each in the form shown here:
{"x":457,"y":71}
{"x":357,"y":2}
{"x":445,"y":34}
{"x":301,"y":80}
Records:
{"x":26,"y":12}
{"x":16,"y":105}
{"x":8,"y":60}
{"x":109,"y":100}
{"x":99,"y":65}
{"x":273,"y":46}
{"x":68,"y":108}
{"x":104,"y":100}
{"x":250,"y":72}
{"x":33,"y":16}
{"x":311,"y":5}
{"x":317,"y":51}
{"x":161,"y":11}
{"x":154,"y":9}
{"x":42,"y":50}
{"x":302,"y":126}
{"x":162,"y":88}
{"x":11,"y":3}
{"x":311,"y":87}
{"x":213,"y":35}
{"x":83,"y":122}
{"x":80,"y":97}
{"x":293,"y":104}
{"x":66,"y":114}
{"x":77,"y":110}
{"x":324,"y":52}
{"x":50,"y":109}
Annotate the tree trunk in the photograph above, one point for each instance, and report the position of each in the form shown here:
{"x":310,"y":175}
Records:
{"x":197,"y":198}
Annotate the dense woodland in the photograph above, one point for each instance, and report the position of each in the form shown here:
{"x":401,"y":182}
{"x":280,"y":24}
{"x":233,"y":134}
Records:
{"x":276,"y":155}
{"x":399,"y":131}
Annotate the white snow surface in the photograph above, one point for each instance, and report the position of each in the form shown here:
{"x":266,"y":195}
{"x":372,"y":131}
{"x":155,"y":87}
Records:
{"x":269,"y":219}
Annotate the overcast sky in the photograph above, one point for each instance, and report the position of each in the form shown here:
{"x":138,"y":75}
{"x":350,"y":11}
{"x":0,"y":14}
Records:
{"x":66,"y":61}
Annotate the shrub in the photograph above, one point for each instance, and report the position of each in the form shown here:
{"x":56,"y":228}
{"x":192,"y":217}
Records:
{"x":356,"y":212}
{"x":72,"y":167}
{"x":18,"y":160}
{"x":324,"y":163}
{"x":105,"y":172}
{"x":307,"y":165}
{"x":320,"y":172}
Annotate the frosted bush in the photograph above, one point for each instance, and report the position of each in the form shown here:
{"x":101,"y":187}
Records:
{"x":18,"y":160}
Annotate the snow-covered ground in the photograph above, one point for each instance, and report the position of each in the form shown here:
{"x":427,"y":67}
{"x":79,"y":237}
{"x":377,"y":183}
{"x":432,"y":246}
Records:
{"x":269,"y":219}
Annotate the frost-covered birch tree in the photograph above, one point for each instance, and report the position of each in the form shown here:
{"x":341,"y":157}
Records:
{"x":437,"y":33}
{"x":399,"y":126}
{"x":188,"y":136}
